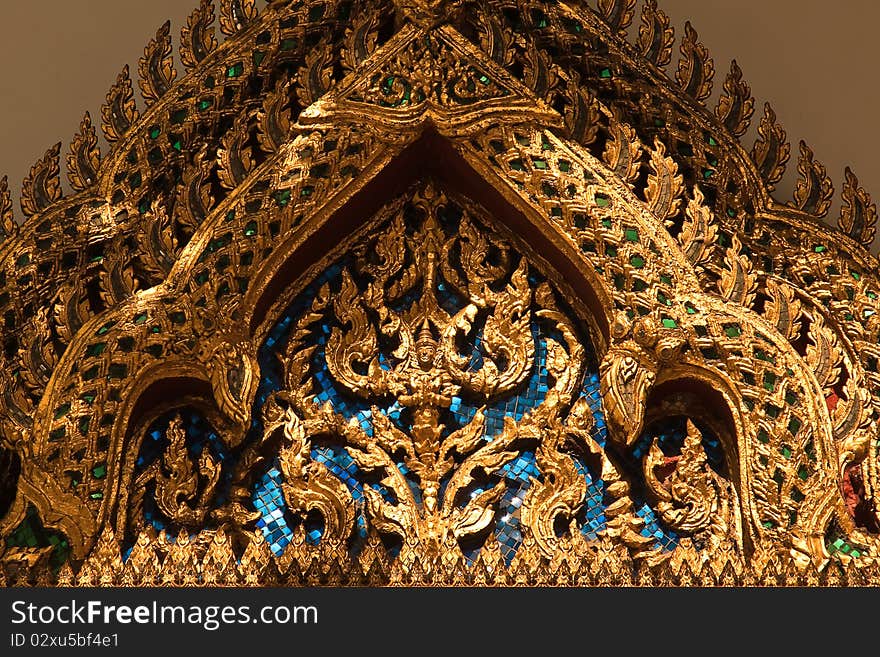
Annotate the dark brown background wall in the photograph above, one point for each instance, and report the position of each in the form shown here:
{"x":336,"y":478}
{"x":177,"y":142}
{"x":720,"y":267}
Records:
{"x":816,"y":61}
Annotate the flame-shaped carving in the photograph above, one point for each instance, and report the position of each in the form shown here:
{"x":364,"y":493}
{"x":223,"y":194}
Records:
{"x":182,"y":491}
{"x":8,"y":227}
{"x":394,"y":335}
{"x":197,"y":39}
{"x":656,"y":37}
{"x":690,"y":497}
{"x":814,"y":190}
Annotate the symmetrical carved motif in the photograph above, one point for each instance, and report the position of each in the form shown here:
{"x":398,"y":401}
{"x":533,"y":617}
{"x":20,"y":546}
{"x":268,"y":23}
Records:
{"x":515,"y":248}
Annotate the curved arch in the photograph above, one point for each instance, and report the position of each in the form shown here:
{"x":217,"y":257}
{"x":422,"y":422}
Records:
{"x":709,"y":398}
{"x":665,"y":307}
{"x":431,"y":156}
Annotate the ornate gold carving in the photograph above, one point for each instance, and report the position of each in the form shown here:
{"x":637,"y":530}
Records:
{"x":315,"y":75}
{"x":425,"y":372}
{"x":42,"y":187}
{"x":273,"y":119}
{"x":617,"y":13}
{"x":436,"y":76}
{"x":8,"y":226}
{"x":235,"y":15}
{"x":665,"y":187}
{"x":738,"y":283}
{"x":234,"y":157}
{"x":156,"y":67}
{"x":689,"y":497}
{"x":623,"y":151}
{"x":656,"y":37}
{"x":360,"y":40}
{"x":698,"y":233}
{"x":197,"y":39}
{"x":736,"y":105}
{"x":119,"y":111}
{"x":814,"y":189}
{"x":183,"y":490}
{"x":582,"y":112}
{"x":771,"y":150}
{"x":85,"y":156}
{"x":163,"y":264}
{"x":696,"y":68}
{"x":858,"y":217}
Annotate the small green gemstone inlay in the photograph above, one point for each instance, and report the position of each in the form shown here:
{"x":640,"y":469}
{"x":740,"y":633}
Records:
{"x":235,"y":70}
{"x":670,"y":323}
{"x":632,"y":234}
{"x":104,"y":330}
{"x":95,"y":349}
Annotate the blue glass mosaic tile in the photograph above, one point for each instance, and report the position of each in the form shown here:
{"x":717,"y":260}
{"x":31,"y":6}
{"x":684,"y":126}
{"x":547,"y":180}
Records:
{"x":518,"y":475}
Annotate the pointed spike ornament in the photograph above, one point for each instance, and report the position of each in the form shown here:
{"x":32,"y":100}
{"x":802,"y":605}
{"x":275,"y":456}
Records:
{"x":8,"y":227}
{"x":236,"y":15}
{"x":814,"y":190}
{"x":771,"y":151}
{"x":120,"y":110}
{"x":617,"y":13}
{"x":696,"y":68}
{"x":858,"y":217}
{"x":656,"y":36}
{"x":156,"y":67}
{"x":197,"y":39}
{"x":736,"y":105}
{"x":42,"y":187}
{"x":84,"y":157}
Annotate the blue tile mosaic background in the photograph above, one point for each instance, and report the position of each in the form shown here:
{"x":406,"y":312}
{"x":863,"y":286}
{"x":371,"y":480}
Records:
{"x":518,"y":475}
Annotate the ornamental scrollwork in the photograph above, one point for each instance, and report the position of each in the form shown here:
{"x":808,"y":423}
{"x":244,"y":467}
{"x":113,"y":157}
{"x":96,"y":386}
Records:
{"x":424,"y":291}
{"x":430,"y":314}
